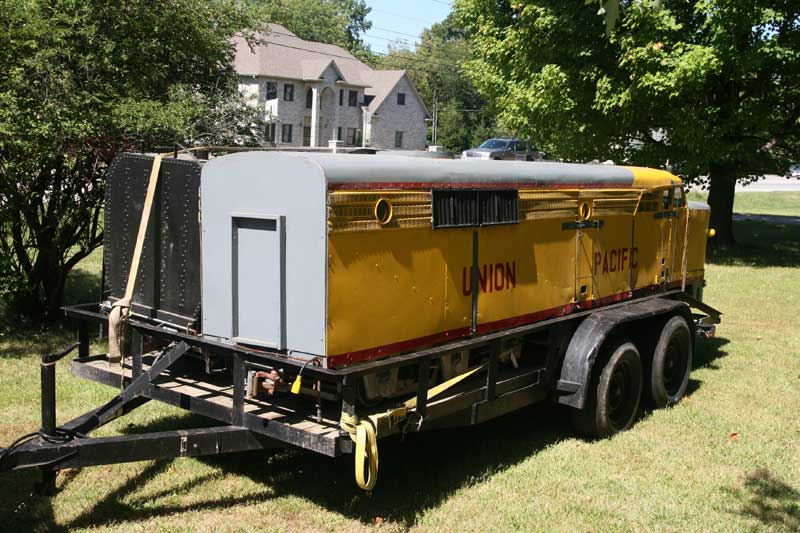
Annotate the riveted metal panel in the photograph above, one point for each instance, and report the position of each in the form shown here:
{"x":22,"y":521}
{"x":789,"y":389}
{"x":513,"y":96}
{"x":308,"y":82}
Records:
{"x":167,"y":285}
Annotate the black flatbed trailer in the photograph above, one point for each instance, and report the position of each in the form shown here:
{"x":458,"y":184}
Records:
{"x":307,"y":421}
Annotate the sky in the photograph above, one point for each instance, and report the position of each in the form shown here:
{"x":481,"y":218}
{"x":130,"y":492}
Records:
{"x":402,"y":19}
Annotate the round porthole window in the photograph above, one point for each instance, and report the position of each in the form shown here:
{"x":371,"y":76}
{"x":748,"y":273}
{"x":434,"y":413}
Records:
{"x":383,"y":211}
{"x":584,"y":210}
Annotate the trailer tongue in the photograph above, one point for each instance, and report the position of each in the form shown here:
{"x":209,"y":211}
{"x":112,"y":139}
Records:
{"x":219,"y":314}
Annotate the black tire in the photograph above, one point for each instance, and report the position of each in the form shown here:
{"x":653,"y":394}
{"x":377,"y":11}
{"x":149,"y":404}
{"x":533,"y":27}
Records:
{"x":672,"y":363}
{"x":616,"y":390}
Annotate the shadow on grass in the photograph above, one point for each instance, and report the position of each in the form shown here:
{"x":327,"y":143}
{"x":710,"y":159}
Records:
{"x":417,"y":473}
{"x":83,"y":286}
{"x":26,"y":340}
{"x":20,"y":336}
{"x":769,"y":500}
{"x":440,"y":461}
{"x":761,"y":243}
{"x":22,"y":510}
{"x":707,"y":351}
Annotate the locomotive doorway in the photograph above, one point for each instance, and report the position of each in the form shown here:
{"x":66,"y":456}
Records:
{"x":258,"y":281}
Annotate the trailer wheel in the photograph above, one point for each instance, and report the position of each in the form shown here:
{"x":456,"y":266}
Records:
{"x":672,"y":363}
{"x":613,"y":402}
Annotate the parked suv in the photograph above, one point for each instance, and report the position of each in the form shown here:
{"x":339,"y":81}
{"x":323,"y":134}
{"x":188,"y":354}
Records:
{"x":510,"y":149}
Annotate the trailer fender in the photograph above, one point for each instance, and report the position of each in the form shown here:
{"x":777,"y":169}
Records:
{"x":576,"y":371}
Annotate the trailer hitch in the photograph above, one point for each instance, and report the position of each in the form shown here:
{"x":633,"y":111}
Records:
{"x":51,"y":446}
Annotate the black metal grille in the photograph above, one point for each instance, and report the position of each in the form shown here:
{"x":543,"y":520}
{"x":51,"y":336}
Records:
{"x":455,"y":208}
{"x":499,"y":207}
{"x":474,"y":208}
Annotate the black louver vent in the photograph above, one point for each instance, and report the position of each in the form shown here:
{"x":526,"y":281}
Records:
{"x":474,"y":208}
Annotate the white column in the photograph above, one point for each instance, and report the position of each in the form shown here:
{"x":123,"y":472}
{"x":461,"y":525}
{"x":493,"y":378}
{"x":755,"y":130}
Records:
{"x":314,"y":114}
{"x":365,"y":122}
{"x":335,"y":115}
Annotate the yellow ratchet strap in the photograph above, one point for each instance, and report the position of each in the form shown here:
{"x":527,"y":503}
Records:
{"x":365,"y":432}
{"x":362,"y":432}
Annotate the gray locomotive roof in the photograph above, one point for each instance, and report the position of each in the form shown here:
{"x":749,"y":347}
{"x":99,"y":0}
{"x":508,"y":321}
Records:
{"x":378,"y":168}
{"x":350,"y":170}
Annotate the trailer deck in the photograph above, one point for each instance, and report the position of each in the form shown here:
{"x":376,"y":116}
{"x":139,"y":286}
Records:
{"x":289,"y":418}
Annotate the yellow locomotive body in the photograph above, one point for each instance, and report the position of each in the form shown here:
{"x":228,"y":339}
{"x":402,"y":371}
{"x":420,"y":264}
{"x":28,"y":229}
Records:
{"x":399,"y":284}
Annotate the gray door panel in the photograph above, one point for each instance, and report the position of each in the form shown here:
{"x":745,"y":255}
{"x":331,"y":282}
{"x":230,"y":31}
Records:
{"x":258,"y":281}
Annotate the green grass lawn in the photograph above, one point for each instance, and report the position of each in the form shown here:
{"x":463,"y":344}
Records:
{"x":763,"y":203}
{"x":725,"y":458}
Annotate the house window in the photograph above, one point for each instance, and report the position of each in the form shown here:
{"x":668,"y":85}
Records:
{"x":306,"y":135}
{"x":288,"y":92}
{"x":269,"y":133}
{"x":358,"y":138}
{"x":398,"y":139}
{"x":401,"y":98}
{"x":352,"y":99}
{"x":351,"y":137}
{"x":286,"y":133}
{"x":339,"y":133}
{"x":341,"y":96}
{"x":309,"y":99}
{"x":271,"y":90}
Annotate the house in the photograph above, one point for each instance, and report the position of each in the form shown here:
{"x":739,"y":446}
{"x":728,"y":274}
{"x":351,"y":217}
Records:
{"x":315,"y":94}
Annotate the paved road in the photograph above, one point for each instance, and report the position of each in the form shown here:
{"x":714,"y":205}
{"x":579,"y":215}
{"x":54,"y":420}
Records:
{"x":771,"y":183}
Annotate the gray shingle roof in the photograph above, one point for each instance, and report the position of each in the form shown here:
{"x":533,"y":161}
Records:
{"x":284,"y":55}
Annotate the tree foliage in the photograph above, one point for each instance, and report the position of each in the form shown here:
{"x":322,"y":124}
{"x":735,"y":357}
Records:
{"x":435,"y":66}
{"x":710,"y":87}
{"x":339,"y":22}
{"x":80,"y":80}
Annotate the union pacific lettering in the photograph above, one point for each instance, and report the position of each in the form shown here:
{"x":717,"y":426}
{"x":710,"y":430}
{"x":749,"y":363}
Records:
{"x":494,"y":277}
{"x":616,"y":260}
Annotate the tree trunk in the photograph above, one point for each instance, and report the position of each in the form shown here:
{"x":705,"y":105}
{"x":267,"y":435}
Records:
{"x":46,"y":286}
{"x":54,"y":295}
{"x":722,"y":183}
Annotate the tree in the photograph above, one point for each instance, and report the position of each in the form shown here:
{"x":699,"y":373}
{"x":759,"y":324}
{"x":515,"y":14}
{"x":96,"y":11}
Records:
{"x":710,"y":87}
{"x":81,"y":80}
{"x":339,"y":22}
{"x":434,"y":66}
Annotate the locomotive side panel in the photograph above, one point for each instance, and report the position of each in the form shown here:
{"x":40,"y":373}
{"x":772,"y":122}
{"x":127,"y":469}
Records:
{"x":616,"y":260}
{"x":404,"y":284}
{"x":391,"y":290}
{"x":524,"y":271}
